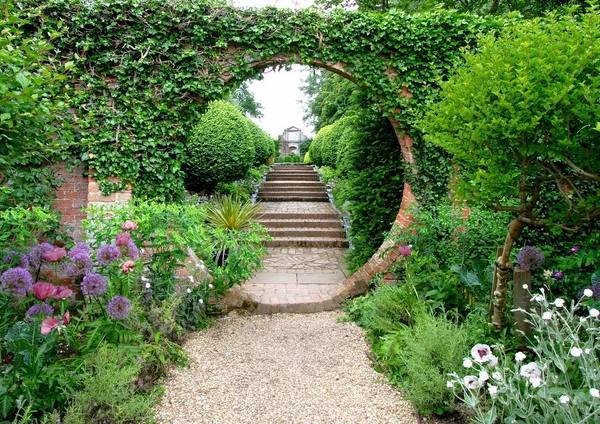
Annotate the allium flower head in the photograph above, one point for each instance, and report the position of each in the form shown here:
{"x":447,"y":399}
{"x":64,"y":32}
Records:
{"x":130,"y":250}
{"x":39,"y":309}
{"x":94,"y":284}
{"x":54,"y":254}
{"x":558,"y":275}
{"x":129,"y":226}
{"x":530,"y":258}
{"x":33,"y":259}
{"x":107,"y":253}
{"x":118,"y":307}
{"x":16,"y":281}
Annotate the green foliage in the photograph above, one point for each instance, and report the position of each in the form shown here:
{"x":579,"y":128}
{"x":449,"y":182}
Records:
{"x":21,"y":227}
{"x":108,"y":380}
{"x":520,"y":119}
{"x":32,"y":113}
{"x":158,"y":64}
{"x":243,"y":99}
{"x":231,"y":213}
{"x":262,"y":142}
{"x":289,"y":159}
{"x":220,"y":149}
{"x":244,"y":188}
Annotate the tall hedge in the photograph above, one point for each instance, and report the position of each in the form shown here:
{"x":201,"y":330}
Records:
{"x":264,"y":148}
{"x":220,"y":148}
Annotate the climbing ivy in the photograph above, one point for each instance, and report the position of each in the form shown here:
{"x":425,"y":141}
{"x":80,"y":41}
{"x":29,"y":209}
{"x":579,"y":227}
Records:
{"x":145,"y":70}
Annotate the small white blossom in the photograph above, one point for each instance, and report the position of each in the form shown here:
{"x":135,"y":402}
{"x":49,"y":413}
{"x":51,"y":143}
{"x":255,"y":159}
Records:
{"x":539,"y":298}
{"x":147,"y":285}
{"x":530,"y":371}
{"x":588,"y":293}
{"x":525,"y":286}
{"x":564,"y":399}
{"x":547,"y":315}
{"x":210,"y":286}
{"x":189,"y":290}
{"x":200,"y":301}
{"x":595,"y":393}
{"x":535,"y":381}
{"x":594,"y":313}
{"x":576,"y":352}
{"x":471,"y":382}
{"x":493,"y":361}
{"x":483,"y":376}
{"x":191,"y":277}
{"x":581,"y":319}
{"x":467,"y":363}
{"x":520,"y":356}
{"x":559,"y":303}
{"x":493,"y":390}
{"x":587,"y":350}
{"x":481,"y":353}
{"x":497,"y":376}
{"x":145,"y":279}
{"x":450,"y":384}
{"x":548,"y":273}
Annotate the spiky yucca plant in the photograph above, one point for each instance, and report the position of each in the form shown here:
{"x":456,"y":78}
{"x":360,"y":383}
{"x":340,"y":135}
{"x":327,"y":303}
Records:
{"x":231,"y":212}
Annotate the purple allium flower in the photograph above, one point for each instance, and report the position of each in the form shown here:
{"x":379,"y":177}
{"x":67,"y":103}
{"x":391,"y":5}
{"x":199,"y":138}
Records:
{"x":54,"y":254}
{"x":10,"y":257}
{"x":107,"y":253}
{"x":94,"y":284}
{"x":405,"y":251}
{"x":34,"y":258}
{"x":575,"y":249}
{"x":122,"y":239}
{"x":82,"y":247}
{"x":131,"y":250}
{"x":118,"y":307}
{"x":16,"y":281}
{"x":530,"y":258}
{"x":81,"y":263}
{"x":39,"y":309}
{"x":558,"y":275}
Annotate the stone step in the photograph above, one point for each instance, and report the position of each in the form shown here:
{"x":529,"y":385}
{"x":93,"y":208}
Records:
{"x":306,"y":242}
{"x":292,"y":177}
{"x":333,"y":233}
{"x":293,"y":171}
{"x":305,"y":223}
{"x":269,"y":184}
{"x":286,"y":187}
{"x":292,"y":192}
{"x":293,"y":167}
{"x":293,"y":198}
{"x":298,"y":215}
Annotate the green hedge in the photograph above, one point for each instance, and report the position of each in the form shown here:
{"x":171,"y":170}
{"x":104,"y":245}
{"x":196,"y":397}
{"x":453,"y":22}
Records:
{"x":262,"y":142}
{"x":219,"y":148}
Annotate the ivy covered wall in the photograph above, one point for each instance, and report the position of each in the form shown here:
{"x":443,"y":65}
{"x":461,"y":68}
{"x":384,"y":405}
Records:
{"x":143,"y":71}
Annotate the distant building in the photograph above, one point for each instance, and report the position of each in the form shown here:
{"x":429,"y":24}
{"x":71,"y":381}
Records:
{"x":290,"y":141}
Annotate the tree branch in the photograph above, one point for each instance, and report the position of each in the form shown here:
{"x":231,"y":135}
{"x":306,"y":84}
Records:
{"x":581,"y":171}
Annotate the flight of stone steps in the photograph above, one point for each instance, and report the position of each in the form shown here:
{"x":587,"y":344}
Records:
{"x":296,"y":209}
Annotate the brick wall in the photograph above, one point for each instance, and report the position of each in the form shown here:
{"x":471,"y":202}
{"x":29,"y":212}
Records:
{"x":78,"y":191}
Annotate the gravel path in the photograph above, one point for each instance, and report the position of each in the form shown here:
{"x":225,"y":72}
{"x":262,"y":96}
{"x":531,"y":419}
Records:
{"x":281,"y":368}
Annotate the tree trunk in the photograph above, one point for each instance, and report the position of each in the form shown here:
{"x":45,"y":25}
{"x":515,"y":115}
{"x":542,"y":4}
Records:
{"x":503,"y":271}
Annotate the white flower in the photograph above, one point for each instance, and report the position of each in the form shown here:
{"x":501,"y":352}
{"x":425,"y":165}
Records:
{"x":144,"y":279}
{"x":481,"y":353}
{"x":519,"y":356}
{"x":587,"y":350}
{"x":200,"y":301}
{"x":581,"y":319}
{"x":525,"y":286}
{"x":559,"y":303}
{"x":564,"y":399}
{"x":594,"y":313}
{"x":548,"y":273}
{"x":450,"y":384}
{"x":539,"y":298}
{"x":467,"y":363}
{"x":189,"y":290}
{"x":588,"y":293}
{"x":530,"y":371}
{"x":493,"y":361}
{"x":493,"y":390}
{"x":547,"y":315}
{"x":535,"y":381}
{"x":595,"y":393}
{"x":471,"y":382}
{"x":191,"y":277}
{"x":576,"y":352}
{"x":483,"y":376}
{"x":497,"y":376}
{"x":147,"y":285}
{"x":210,"y":286}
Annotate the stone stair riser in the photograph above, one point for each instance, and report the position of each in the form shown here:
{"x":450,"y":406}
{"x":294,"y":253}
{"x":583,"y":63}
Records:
{"x":306,"y":243}
{"x":304,"y":232}
{"x":293,"y":199}
{"x":333,"y":223}
{"x":297,"y":215}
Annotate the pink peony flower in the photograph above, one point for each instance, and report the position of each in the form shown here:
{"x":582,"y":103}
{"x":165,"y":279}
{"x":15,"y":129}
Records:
{"x":66,"y":318}
{"x":43,"y":291}
{"x":54,"y":254}
{"x":62,"y":292}
{"x":49,"y":324}
{"x":122,"y":239}
{"x":129,"y":226}
{"x":128,"y":266}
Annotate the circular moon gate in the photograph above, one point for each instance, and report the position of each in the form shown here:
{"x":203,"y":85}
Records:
{"x":143,"y":72}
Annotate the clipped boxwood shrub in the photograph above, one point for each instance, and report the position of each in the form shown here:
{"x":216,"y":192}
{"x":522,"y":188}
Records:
{"x":219,"y":149}
{"x":263,"y":143}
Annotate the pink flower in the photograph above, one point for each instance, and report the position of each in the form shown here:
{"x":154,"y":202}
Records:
{"x":481,"y":353}
{"x":51,"y":323}
{"x":129,"y":226}
{"x":405,"y":251}
{"x":62,"y":292}
{"x":128,"y":266}
{"x":122,"y":239}
{"x":43,"y":290}
{"x":54,"y":254}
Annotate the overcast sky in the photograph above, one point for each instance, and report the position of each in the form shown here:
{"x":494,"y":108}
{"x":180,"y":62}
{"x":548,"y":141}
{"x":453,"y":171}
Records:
{"x":279,"y":92}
